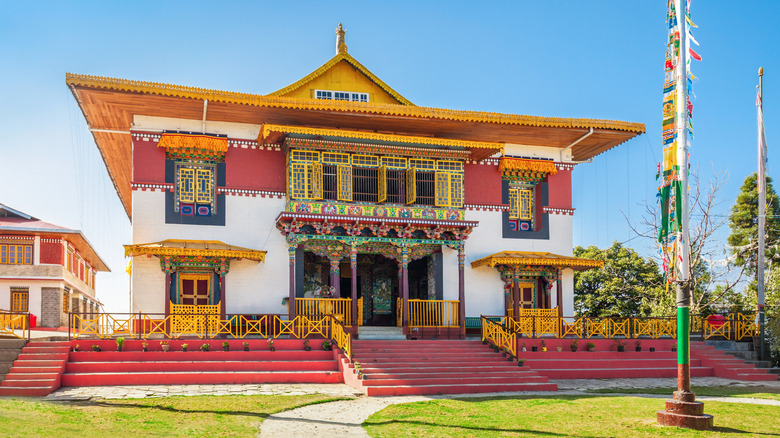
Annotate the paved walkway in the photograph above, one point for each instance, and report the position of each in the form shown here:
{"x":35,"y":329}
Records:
{"x":344,"y":418}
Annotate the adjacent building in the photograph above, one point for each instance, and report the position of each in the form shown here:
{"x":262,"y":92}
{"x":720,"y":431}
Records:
{"x":46,"y":269}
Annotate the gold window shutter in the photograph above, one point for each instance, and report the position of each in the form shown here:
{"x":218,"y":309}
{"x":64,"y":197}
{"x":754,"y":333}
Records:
{"x":316,"y":181}
{"x":525,"y":203}
{"x":186,"y":185}
{"x":411,"y":185}
{"x":382,"y":184}
{"x":203,"y":186}
{"x":442,"y":189}
{"x":344,"y":177}
{"x":514,"y":205}
{"x":298,"y":175}
{"x":456,"y":190}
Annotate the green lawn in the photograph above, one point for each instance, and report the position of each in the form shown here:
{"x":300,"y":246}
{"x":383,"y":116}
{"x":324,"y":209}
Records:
{"x":170,"y":416}
{"x":765,"y":392}
{"x":578,"y":416}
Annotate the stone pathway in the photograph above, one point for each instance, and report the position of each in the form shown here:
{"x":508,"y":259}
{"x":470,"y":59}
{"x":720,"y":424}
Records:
{"x":344,"y":418}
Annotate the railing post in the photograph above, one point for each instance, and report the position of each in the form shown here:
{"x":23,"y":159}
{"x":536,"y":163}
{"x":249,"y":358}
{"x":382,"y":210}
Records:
{"x":533,"y":325}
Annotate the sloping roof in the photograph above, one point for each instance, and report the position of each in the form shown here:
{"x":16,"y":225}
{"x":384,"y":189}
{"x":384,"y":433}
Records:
{"x":195,"y":248}
{"x":525,"y":258}
{"x":346,"y":57}
{"x":20,"y":223}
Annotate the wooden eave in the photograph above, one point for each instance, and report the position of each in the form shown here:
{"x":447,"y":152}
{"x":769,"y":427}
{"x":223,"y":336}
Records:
{"x":109,"y":105}
{"x":74,"y":237}
{"x":194,"y":248}
{"x":526,"y":258}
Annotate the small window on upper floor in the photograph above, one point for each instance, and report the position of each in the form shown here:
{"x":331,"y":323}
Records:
{"x":195,"y":189}
{"x":16,"y":254}
{"x":341,"y":95}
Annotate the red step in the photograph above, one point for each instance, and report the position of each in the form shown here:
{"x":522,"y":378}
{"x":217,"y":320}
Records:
{"x":180,"y":366}
{"x":191,"y":378}
{"x":36,"y":372}
{"x":456,"y":389}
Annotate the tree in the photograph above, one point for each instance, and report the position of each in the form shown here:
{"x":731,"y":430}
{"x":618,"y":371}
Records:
{"x":743,"y":222}
{"x":627,"y":286}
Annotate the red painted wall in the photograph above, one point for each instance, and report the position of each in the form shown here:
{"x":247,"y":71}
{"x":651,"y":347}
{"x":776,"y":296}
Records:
{"x":148,"y":162}
{"x":255,"y":169}
{"x":559,"y":189}
{"x":51,"y":253}
{"x":482,"y":184}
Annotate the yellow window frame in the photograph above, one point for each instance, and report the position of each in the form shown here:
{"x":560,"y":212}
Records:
{"x":365,"y":160}
{"x":186,"y":185}
{"x":12,"y":254}
{"x":203,"y":187}
{"x":335,"y":158}
{"x":344,"y":183}
{"x":382,"y":184}
{"x":395,"y":162}
{"x":304,"y":156}
{"x":422,"y":164}
{"x":411,"y":185}
{"x":521,"y":203}
{"x":20,"y":300}
{"x":449,"y":166}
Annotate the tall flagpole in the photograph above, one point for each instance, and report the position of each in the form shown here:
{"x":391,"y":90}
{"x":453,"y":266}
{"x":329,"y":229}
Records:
{"x":683,"y":283}
{"x":761,"y":184}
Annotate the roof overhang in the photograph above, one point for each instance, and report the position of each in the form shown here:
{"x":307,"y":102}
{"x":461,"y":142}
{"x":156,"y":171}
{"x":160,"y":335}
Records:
{"x":194,"y":248}
{"x":524,"y":258}
{"x":75,"y":237}
{"x":109,"y":106}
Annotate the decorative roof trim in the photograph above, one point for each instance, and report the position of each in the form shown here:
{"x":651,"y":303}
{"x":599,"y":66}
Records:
{"x":178,"y":141}
{"x":77,"y":80}
{"x":404,"y":151}
{"x":523,"y":258}
{"x":328,"y":65}
{"x":518,"y":164}
{"x":162,"y":249}
{"x":267,"y":129}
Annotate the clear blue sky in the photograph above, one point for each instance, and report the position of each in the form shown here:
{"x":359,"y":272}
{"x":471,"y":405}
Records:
{"x":591,"y":59}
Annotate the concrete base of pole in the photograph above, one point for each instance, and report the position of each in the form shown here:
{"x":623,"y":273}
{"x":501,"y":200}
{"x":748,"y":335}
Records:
{"x":684,"y":411}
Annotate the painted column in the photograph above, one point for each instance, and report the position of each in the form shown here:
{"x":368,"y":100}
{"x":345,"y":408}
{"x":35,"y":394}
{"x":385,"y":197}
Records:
{"x":405,"y":284}
{"x":335,"y":277}
{"x":353,"y":266}
{"x":291,"y":297}
{"x":167,"y":293}
{"x":516,"y":293}
{"x":461,"y":291}
{"x":559,"y":294}
{"x":222,"y":295}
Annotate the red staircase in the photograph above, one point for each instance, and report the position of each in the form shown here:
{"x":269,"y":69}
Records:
{"x":728,"y":366}
{"x":132,"y":366}
{"x":438,"y":367}
{"x":37,"y":371}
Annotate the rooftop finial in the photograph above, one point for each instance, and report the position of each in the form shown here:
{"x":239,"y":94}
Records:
{"x":341,"y":46}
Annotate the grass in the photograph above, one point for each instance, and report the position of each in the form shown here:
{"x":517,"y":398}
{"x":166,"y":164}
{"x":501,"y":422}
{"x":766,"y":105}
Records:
{"x":763,"y":392}
{"x":578,"y":416}
{"x":235,"y":415}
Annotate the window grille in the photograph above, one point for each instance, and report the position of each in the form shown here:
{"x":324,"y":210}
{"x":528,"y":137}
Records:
{"x":411,"y":185}
{"x":396,"y":186}
{"x":203,"y":186}
{"x":324,"y":94}
{"x":20,"y":299}
{"x":345,"y":183}
{"x":364,"y":185}
{"x":382,"y":184}
{"x":186,"y":185}
{"x":422,"y":164}
{"x":299,"y":155}
{"x":394,"y":162}
{"x":449,"y":189}
{"x":365,"y":160}
{"x":334,"y":158}
{"x":449,"y":166}
{"x":330,"y":182}
{"x":521,"y":203}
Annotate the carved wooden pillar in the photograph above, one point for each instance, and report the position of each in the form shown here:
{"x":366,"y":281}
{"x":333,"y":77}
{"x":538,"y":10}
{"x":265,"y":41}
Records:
{"x":353,"y":266}
{"x":405,"y":284}
{"x":559,"y":296}
{"x":516,"y":293}
{"x":461,"y":291}
{"x":335,"y":277}
{"x":167,"y":293}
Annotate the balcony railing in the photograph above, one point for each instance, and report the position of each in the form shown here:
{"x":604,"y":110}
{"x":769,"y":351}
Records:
{"x":339,"y":308}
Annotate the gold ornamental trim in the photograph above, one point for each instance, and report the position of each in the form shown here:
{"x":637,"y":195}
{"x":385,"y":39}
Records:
{"x":163,"y":89}
{"x":519,"y":164}
{"x":267,"y":129}
{"x":524,"y":258}
{"x":194,"y":248}
{"x":176,"y":141}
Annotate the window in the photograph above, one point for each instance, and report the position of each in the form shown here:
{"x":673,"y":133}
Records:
{"x":65,"y":299}
{"x":194,"y":289}
{"x":195,"y":189}
{"x":521,"y":203}
{"x":20,"y":299}
{"x":341,"y":95}
{"x":15,"y":254}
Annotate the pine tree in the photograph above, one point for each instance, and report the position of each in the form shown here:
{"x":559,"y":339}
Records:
{"x":743,"y":222}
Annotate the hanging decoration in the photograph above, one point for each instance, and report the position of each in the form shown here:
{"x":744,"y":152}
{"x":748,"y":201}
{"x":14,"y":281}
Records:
{"x":676,"y":122}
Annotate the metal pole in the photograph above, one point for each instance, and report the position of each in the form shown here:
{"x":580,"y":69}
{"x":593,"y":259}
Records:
{"x":761,"y":185}
{"x":683,"y":280}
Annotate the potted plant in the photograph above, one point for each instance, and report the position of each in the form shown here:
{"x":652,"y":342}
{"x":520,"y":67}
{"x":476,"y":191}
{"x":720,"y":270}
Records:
{"x":246,"y":346}
{"x":96,"y":347}
{"x":225,"y":346}
{"x":523,"y":347}
{"x":306,"y":345}
{"x":591,"y":346}
{"x":145,"y":346}
{"x":543,"y":345}
{"x":534,"y":348}
{"x":503,"y":351}
{"x":638,"y":345}
{"x":652,"y":349}
{"x":674,"y":346}
{"x":205,"y":347}
{"x":271,"y":344}
{"x":520,"y":362}
{"x":358,"y":370}
{"x":620,"y":345}
{"x":120,"y":341}
{"x":184,"y":347}
{"x":164,"y":346}
{"x":573,"y":344}
{"x":76,"y":348}
{"x":484,"y":341}
{"x":327,"y":345}
{"x":559,"y":347}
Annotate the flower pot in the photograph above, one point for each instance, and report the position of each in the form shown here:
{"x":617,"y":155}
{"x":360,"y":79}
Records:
{"x":246,"y":348}
{"x":559,"y":348}
{"x":165,"y":347}
{"x":226,"y":348}
{"x":184,"y":349}
{"x":503,"y":354}
{"x":638,"y":348}
{"x":591,"y":348}
{"x":621,"y":348}
{"x":573,"y":349}
{"x":520,"y":363}
{"x":307,"y":348}
{"x":510,"y":358}
{"x":270,"y":348}
{"x":652,"y":349}
{"x":534,"y":348}
{"x":118,"y":348}
{"x":523,"y":349}
{"x":145,"y":349}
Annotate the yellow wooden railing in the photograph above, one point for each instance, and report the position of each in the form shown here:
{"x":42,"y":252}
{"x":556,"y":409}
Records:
{"x":340,"y":308}
{"x":16,"y":324}
{"x":429,"y":313}
{"x":341,"y":337}
{"x":499,"y":336}
{"x":545,"y":322}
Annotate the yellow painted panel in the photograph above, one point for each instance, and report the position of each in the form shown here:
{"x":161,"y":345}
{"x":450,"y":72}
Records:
{"x":344,"y":77}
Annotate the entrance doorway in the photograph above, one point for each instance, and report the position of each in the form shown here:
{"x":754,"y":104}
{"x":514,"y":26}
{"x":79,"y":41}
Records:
{"x":194,"y":289}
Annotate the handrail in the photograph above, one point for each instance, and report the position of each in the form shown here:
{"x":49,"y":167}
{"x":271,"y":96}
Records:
{"x":11,"y":322}
{"x":499,"y":336}
{"x":341,"y":337}
{"x":340,"y":308}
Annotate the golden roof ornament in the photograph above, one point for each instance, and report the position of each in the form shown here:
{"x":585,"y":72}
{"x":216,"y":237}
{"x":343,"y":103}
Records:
{"x":341,"y":46}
